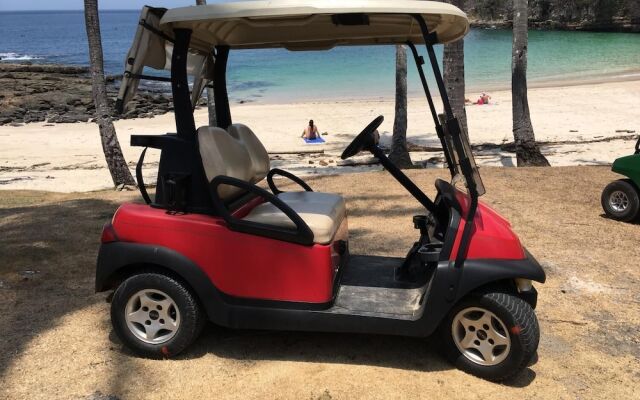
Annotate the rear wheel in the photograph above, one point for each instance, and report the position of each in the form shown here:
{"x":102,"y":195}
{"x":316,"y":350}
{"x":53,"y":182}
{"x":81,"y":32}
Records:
{"x":491,"y":335}
{"x":620,"y":200}
{"x":155,"y":315}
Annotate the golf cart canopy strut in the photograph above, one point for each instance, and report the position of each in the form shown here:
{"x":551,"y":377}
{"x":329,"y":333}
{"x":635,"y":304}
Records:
{"x":185,"y":123}
{"x":223,"y":112}
{"x":419,"y":62}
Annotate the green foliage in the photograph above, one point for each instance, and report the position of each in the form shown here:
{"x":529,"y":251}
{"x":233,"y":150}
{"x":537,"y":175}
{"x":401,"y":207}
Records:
{"x":558,"y":11}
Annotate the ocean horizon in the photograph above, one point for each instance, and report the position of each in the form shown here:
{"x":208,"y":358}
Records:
{"x":59,"y":37}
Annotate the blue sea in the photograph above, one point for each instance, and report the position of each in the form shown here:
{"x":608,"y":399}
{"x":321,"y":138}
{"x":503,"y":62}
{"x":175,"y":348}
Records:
{"x":279,"y":75}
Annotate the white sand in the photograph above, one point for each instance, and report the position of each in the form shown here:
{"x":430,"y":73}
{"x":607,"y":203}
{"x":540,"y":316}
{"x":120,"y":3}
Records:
{"x":68,"y":157}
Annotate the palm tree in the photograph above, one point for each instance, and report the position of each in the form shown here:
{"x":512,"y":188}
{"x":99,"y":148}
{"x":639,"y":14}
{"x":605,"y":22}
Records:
{"x":110,"y":146}
{"x":453,"y":65}
{"x":527,"y":150}
{"x":399,"y":154}
{"x":211,"y":104}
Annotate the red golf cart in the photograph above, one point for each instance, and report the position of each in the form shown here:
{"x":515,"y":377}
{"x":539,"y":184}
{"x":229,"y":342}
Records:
{"x":214,"y":244}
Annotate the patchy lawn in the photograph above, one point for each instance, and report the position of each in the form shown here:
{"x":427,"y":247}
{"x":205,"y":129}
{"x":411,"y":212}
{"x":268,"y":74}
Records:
{"x":57,"y":342}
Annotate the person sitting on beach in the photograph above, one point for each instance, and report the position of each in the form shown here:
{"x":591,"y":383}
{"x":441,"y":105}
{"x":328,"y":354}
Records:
{"x":484,"y":99}
{"x":310,"y":132}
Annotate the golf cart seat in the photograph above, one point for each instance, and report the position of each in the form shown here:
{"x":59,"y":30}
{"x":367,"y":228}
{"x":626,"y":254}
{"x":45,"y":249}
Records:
{"x":238,"y":153}
{"x":323,"y":214}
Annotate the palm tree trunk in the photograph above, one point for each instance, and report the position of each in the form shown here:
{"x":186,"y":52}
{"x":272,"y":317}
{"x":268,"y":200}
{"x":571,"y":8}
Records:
{"x":527,"y":151}
{"x":399,"y":154}
{"x":110,"y":146}
{"x":453,"y":66}
{"x":211,"y":104}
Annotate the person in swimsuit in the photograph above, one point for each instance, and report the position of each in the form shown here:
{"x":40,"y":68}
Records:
{"x":310,"y":132}
{"x":484,"y":99}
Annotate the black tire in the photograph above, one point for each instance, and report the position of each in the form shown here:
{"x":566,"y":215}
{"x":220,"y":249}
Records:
{"x":190,"y":323}
{"x":620,"y":200}
{"x":519,"y":320}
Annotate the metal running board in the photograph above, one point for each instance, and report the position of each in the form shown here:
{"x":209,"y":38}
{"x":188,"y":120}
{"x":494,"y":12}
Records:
{"x":369,"y":289}
{"x":378,"y":302}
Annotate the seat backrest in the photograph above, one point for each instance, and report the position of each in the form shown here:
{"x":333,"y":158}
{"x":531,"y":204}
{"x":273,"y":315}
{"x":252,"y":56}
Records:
{"x":237,"y":153}
{"x":223,"y":154}
{"x":258,"y":154}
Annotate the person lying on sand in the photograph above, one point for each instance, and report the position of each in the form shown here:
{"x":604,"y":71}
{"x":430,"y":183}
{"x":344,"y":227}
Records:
{"x":310,"y":132}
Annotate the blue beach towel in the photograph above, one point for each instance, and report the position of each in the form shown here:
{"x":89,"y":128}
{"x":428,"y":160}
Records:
{"x":318,"y":140}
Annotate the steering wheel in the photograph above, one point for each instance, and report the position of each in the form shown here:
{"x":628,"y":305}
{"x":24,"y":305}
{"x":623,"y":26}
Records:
{"x":364,"y":141}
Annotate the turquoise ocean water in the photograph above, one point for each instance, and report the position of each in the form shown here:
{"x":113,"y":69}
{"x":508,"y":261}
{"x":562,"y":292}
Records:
{"x":279,"y":75}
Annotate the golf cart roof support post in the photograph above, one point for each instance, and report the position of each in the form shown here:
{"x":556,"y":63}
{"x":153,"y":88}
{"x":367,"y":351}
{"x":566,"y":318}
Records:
{"x":465,"y":165}
{"x":403,"y":179}
{"x":185,"y":124}
{"x":453,"y":125}
{"x":419,"y":62}
{"x":428,"y":42}
{"x":221,"y":97}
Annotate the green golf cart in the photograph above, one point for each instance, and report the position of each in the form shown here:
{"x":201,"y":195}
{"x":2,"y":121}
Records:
{"x":621,"y":198}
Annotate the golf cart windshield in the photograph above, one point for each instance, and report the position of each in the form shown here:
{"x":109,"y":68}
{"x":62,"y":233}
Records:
{"x":463,"y":165}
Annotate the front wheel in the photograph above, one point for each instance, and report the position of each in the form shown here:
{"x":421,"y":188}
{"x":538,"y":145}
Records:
{"x":491,"y":335}
{"x":155,"y":315}
{"x":620,"y":200}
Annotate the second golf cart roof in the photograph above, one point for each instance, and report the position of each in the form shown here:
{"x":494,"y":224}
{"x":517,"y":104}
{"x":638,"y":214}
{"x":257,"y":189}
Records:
{"x":314,"y":24}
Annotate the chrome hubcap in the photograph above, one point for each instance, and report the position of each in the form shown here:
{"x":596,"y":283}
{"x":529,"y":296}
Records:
{"x":152,"y":316}
{"x":618,"y":201}
{"x":481,"y":336}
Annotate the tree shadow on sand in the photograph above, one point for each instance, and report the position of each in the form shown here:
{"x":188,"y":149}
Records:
{"x":248,"y":347}
{"x":48,"y":255}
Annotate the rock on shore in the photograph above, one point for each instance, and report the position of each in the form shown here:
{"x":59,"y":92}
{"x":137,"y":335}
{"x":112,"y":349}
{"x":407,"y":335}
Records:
{"x":60,"y":93}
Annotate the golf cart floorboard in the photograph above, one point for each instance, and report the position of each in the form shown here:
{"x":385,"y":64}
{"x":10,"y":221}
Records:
{"x":369,"y":288}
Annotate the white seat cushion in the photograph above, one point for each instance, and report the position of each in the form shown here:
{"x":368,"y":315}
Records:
{"x":316,"y":197}
{"x":322,"y":212}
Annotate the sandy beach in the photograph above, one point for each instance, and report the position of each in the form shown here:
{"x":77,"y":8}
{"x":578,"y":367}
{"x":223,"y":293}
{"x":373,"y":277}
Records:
{"x":588,"y":124}
{"x":57,"y":341}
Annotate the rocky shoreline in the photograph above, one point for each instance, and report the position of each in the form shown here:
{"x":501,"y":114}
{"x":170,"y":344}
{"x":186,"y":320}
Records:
{"x":62,"y":94}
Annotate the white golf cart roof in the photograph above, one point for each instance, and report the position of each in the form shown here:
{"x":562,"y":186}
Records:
{"x":314,"y":24}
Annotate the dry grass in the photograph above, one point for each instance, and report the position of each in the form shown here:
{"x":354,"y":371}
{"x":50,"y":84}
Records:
{"x":56,"y":339}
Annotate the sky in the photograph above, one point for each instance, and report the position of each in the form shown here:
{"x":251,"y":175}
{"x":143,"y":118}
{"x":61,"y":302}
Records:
{"x":13,"y":5}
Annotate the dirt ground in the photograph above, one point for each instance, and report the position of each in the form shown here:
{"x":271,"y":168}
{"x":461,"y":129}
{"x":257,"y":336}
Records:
{"x":56,"y":340}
